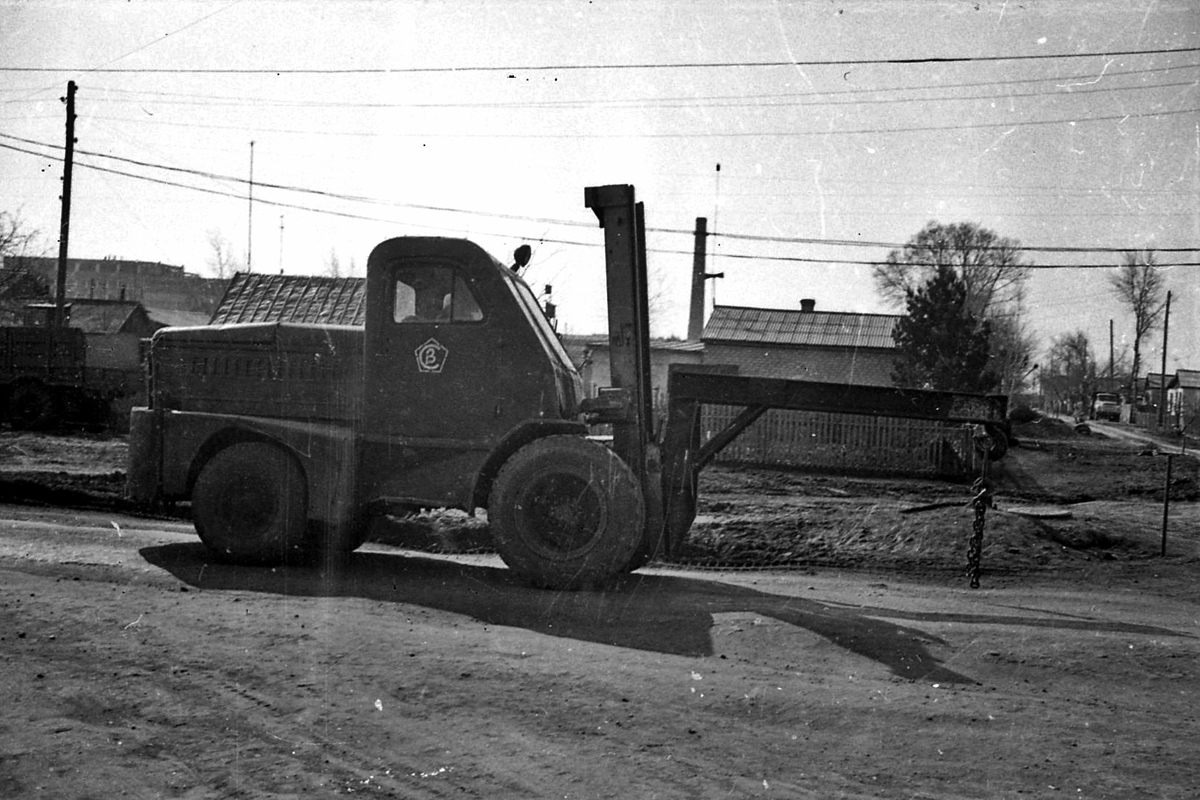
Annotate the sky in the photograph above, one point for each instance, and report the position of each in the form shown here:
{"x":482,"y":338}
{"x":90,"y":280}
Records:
{"x":833,"y":124}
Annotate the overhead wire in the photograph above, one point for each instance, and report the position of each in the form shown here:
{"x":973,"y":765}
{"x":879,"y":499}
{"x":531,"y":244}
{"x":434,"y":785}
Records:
{"x":544,"y":239}
{"x":792,"y":240}
{"x":568,"y":67}
{"x":577,"y":135}
{"x":718,"y":101}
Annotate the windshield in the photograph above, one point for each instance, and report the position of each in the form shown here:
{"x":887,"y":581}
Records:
{"x":534,"y":312}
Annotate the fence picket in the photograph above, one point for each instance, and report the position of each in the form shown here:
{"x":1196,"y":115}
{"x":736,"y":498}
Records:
{"x":846,"y":441}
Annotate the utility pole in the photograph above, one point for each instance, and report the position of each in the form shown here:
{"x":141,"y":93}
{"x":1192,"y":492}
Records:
{"x":1162,"y":405}
{"x":281,"y":244}
{"x":700,"y":254}
{"x":64,"y":227}
{"x":250,"y":213}
{"x":699,"y":276}
{"x":1110,"y":355}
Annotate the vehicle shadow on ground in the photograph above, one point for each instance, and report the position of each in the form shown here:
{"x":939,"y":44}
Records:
{"x":659,"y":613}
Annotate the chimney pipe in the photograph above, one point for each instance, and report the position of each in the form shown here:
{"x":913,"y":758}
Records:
{"x":808,"y":304}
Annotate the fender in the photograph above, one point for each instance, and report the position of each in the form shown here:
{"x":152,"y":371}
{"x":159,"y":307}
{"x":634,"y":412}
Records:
{"x":325,"y":452}
{"x":513,"y":441}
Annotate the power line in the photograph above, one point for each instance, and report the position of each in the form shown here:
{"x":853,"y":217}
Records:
{"x":512,"y":69}
{"x":860,"y":263}
{"x":859,"y":243}
{"x":147,"y":44}
{"x":187,"y":98}
{"x":895,"y":246}
{"x":552,"y":240}
{"x":662,"y":136}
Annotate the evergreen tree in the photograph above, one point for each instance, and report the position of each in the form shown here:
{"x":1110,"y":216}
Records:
{"x":995,"y":277}
{"x":940,"y":343}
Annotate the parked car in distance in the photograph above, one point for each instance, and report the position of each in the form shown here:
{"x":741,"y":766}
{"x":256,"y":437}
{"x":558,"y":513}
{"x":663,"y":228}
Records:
{"x":1106,"y":405}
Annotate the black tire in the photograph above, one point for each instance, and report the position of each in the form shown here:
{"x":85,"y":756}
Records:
{"x":33,"y":407}
{"x":250,"y":505}
{"x":330,"y":545}
{"x":567,"y":513}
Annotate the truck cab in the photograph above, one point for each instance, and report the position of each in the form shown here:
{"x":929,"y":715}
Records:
{"x":459,"y":358}
{"x":1106,"y":405}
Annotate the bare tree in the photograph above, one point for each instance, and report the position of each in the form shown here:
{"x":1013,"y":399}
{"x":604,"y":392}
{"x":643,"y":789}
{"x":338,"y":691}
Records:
{"x":221,"y":259}
{"x":988,"y":265}
{"x":1012,"y":349}
{"x":18,"y":282}
{"x":333,"y":265}
{"x":1140,"y":285}
{"x":16,"y":239}
{"x":990,"y":268}
{"x":1069,"y":374}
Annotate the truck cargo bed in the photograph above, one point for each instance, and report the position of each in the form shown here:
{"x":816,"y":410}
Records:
{"x":268,"y":370}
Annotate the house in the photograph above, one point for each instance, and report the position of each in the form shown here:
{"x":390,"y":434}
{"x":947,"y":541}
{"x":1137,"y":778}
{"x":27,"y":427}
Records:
{"x":254,"y":297}
{"x":591,"y":358}
{"x":829,"y":347}
{"x":1150,"y":391}
{"x":113,"y":330}
{"x":804,"y":344}
{"x":1183,"y":396}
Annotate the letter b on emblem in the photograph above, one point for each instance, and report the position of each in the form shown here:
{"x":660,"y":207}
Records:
{"x":431,"y":356}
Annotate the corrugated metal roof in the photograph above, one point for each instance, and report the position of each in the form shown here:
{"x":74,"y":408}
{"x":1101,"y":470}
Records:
{"x":800,"y":328}
{"x":252,"y":297}
{"x":1188,"y":378}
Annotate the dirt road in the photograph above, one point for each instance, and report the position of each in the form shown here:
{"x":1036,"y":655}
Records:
{"x":133,"y":667}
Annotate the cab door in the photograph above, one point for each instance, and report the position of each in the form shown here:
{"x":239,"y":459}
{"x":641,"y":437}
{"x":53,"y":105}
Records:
{"x":430,"y":375}
{"x":431,"y":370}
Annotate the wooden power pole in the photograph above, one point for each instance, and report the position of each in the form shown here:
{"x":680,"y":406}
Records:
{"x":699,"y":257}
{"x":64,"y":227}
{"x":1162,"y":394}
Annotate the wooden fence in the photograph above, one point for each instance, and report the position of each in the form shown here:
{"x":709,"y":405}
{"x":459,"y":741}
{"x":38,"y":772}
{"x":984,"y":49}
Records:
{"x":847,"y":442}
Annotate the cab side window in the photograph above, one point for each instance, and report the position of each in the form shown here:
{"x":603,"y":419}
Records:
{"x":433,"y":294}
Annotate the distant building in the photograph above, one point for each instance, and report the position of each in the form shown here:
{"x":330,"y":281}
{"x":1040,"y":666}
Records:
{"x":1183,"y":397}
{"x":592,"y":357}
{"x":113,"y":329}
{"x":1151,"y":390}
{"x":803,"y":343}
{"x":154,"y":285}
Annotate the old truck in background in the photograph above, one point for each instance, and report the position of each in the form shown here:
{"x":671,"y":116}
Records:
{"x":48,"y":377}
{"x":456,"y":393}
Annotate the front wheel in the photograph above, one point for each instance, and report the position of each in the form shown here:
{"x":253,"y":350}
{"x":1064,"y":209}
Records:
{"x":250,"y":505}
{"x":567,"y":513}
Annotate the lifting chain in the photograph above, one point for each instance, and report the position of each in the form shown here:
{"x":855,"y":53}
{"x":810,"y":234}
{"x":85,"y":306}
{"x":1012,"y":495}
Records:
{"x":980,"y":502}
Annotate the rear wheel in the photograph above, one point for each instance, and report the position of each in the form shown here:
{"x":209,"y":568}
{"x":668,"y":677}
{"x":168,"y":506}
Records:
{"x":250,"y":505}
{"x":330,"y":544}
{"x":566,"y":513}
